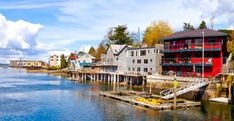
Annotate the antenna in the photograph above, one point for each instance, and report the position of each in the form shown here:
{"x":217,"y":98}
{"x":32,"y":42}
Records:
{"x":212,"y":20}
{"x":139,"y":36}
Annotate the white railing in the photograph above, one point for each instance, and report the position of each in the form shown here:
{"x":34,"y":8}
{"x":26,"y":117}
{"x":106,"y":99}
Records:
{"x":195,"y":84}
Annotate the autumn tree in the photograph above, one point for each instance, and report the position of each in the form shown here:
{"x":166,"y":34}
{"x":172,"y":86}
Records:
{"x":119,"y":35}
{"x":92,"y":51}
{"x":202,"y":25}
{"x":63,"y":63}
{"x":100,"y":50}
{"x":155,"y":32}
{"x":188,"y":27}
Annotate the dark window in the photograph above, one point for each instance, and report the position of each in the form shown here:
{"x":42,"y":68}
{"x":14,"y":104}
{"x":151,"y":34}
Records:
{"x":211,"y":39}
{"x":133,"y":69}
{"x":133,"y":61}
{"x":151,"y":60}
{"x":198,"y":42}
{"x":142,"y":52}
{"x":138,"y":69}
{"x":148,"y":51}
{"x":145,"y":69}
{"x":145,"y":61}
{"x":215,"y":55}
{"x":136,"y":53}
{"x":139,"y":61}
{"x":198,"y":55}
{"x":198,"y":69}
{"x":132,"y":53}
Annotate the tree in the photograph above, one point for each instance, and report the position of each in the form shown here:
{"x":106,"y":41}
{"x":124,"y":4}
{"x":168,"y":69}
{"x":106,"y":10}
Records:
{"x":155,"y":32}
{"x":119,"y":35}
{"x":188,"y":27}
{"x":80,"y":53}
{"x":92,"y":51}
{"x":202,"y":25}
{"x":63,"y":63}
{"x":100,"y":50}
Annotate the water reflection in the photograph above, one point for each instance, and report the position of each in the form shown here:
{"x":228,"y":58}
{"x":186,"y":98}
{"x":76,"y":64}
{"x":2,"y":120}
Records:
{"x":41,"y":97}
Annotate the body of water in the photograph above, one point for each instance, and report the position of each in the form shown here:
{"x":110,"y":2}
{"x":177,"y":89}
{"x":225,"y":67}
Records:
{"x":40,"y":97}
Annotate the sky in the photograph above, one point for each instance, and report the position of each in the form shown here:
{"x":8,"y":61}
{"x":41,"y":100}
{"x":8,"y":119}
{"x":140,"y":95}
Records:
{"x":35,"y":29}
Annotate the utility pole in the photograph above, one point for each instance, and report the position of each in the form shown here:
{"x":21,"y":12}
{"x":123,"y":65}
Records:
{"x":203,"y":45}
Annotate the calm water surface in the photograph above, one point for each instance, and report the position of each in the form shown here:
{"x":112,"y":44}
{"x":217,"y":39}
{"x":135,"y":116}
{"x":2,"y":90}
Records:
{"x":39,"y":97}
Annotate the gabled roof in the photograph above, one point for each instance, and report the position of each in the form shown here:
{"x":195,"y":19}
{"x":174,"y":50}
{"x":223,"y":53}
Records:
{"x":116,"y":49}
{"x":194,"y":34}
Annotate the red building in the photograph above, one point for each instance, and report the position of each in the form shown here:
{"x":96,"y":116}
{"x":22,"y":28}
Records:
{"x":183,"y":53}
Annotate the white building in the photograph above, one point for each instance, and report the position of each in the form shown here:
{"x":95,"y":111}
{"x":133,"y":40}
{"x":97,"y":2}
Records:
{"x":115,"y":59}
{"x":145,"y":60}
{"x":55,"y":60}
{"x":85,"y":59}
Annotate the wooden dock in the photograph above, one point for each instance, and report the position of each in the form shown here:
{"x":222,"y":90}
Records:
{"x":166,"y":106}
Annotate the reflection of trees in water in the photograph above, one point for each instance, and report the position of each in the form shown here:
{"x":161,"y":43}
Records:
{"x":217,"y":111}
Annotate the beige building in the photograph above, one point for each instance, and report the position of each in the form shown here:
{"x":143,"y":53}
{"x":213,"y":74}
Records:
{"x":55,"y":60}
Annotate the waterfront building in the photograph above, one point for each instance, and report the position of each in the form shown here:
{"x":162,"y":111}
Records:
{"x":14,"y":63}
{"x":183,"y":53}
{"x":55,"y":60}
{"x":85,"y":59}
{"x":115,"y":59}
{"x":34,"y":64}
{"x":144,"y":60}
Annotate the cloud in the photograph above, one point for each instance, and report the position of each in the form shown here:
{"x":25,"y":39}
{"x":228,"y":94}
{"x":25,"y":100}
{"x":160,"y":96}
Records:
{"x":223,"y":10}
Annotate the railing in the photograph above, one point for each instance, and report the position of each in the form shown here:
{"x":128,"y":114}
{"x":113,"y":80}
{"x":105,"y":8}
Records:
{"x":188,"y":46}
{"x":169,"y":93}
{"x":186,"y":60}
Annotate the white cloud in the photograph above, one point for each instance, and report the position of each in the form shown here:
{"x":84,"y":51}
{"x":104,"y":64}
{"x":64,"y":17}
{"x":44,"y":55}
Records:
{"x":223,"y":10}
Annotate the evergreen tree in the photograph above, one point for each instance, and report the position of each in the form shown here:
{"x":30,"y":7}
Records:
{"x":202,"y":25}
{"x":188,"y":27}
{"x":63,"y":63}
{"x":119,"y":35}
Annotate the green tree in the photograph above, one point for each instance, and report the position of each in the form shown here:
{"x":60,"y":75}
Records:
{"x":202,"y":25}
{"x":100,"y":50}
{"x":80,"y":53}
{"x":63,"y":63}
{"x":119,"y":35}
{"x":92,"y":51}
{"x":188,"y":27}
{"x":155,"y":32}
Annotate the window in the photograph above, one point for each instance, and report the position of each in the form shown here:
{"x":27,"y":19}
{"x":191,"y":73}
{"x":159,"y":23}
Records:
{"x":138,"y":69}
{"x":148,"y":51}
{"x":129,"y":69}
{"x":198,"y":42}
{"x":212,"y":39}
{"x":215,"y":55}
{"x":136,"y":53}
{"x":151,"y":60}
{"x":198,"y":55}
{"x":151,"y":69}
{"x":133,"y":69}
{"x":142,"y":52}
{"x":157,"y":51}
{"x":174,"y":43}
{"x":145,"y":61}
{"x":198,"y":69}
{"x":132,"y":53}
{"x":145,"y":69}
{"x":139,"y":61}
{"x":117,"y":58}
{"x":154,"y":51}
{"x":133,"y":61}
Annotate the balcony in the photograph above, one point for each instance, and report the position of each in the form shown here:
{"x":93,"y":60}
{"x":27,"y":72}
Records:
{"x":186,"y":62}
{"x":192,"y":47}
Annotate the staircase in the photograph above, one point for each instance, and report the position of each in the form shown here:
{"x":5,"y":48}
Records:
{"x":196,"y":84}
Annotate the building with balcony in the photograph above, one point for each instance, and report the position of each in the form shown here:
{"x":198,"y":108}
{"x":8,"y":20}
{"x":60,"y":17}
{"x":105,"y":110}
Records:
{"x":144,"y":60}
{"x":183,"y":53}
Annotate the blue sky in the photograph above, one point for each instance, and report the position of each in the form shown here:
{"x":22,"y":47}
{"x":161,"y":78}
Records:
{"x":61,"y":26}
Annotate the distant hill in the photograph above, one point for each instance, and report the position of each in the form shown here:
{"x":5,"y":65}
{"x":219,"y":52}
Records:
{"x":3,"y":65}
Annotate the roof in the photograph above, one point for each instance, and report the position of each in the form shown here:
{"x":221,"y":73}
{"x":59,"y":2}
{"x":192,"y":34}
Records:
{"x":194,"y":34}
{"x":116,"y":49}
